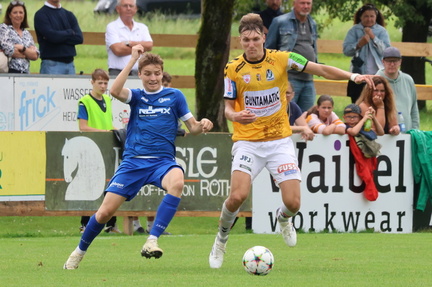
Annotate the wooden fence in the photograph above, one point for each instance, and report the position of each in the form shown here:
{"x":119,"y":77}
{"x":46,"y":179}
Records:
{"x":334,"y":88}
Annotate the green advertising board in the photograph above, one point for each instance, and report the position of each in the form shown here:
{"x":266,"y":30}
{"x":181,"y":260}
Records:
{"x":80,"y":165}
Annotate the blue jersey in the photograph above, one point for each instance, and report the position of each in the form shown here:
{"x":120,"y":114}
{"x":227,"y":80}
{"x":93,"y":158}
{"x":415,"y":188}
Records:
{"x":153,"y":122}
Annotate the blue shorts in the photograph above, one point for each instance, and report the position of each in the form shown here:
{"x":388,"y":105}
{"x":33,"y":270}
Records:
{"x":133,"y":173}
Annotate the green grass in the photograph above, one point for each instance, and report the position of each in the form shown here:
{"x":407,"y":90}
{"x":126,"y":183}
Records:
{"x":323,"y":259}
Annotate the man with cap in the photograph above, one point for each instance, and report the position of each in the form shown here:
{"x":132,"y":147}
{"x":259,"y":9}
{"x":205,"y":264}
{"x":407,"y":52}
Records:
{"x":403,"y":87}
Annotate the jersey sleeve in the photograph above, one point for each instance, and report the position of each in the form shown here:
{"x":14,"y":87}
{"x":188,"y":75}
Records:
{"x":230,"y":90}
{"x":82,"y":112}
{"x":182,"y":106}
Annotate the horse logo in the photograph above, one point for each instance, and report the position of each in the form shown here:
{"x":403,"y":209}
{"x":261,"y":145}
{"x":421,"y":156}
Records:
{"x":84,"y":169}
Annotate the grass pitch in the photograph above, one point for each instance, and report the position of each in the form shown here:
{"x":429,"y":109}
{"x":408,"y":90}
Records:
{"x":322,"y":259}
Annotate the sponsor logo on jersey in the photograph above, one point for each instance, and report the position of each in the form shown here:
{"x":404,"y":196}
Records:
{"x":246,"y":158}
{"x":229,"y":91}
{"x":117,"y":184}
{"x":270,"y":60}
{"x":152,"y":112}
{"x":247,"y":78}
{"x":262,"y":100}
{"x":269,"y":75}
{"x":287,"y":168}
{"x":161,"y":100}
{"x":144,"y":99}
{"x":258,"y":77}
{"x":245,"y":167}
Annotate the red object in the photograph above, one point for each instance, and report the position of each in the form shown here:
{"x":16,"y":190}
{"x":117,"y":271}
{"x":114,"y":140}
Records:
{"x":365,"y":168}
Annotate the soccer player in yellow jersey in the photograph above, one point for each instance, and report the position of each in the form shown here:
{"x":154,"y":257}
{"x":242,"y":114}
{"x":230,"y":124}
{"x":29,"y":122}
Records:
{"x":255,"y":87}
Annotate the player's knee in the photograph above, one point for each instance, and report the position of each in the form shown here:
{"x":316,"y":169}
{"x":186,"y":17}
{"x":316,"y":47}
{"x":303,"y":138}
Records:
{"x":103,"y":216}
{"x":237,"y":199}
{"x":176,"y":188}
{"x":293,"y":205}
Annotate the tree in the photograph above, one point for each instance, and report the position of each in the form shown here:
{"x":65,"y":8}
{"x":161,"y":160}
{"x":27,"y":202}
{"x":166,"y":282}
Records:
{"x":413,"y":16}
{"x":212,"y":54}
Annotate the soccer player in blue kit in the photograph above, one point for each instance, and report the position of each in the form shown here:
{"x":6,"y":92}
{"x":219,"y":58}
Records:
{"x":149,"y":156}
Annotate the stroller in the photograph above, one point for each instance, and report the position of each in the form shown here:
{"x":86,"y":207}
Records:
{"x":105,"y":6}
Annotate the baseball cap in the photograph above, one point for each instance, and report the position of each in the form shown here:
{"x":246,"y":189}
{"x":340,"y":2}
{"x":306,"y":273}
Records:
{"x":352,"y":108}
{"x":391,"y":52}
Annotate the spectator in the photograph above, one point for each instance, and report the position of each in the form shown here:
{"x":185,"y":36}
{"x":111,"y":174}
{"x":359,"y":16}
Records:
{"x":365,"y":43}
{"x":95,"y":115}
{"x":272,"y":11}
{"x":255,"y":89}
{"x":166,"y":80}
{"x":58,"y":33}
{"x":382,"y":100}
{"x":124,"y":33}
{"x":363,"y":146}
{"x":296,"y":119}
{"x":321,"y":118}
{"x":17,"y":42}
{"x":149,"y":156}
{"x":403,"y":87}
{"x":296,"y":32}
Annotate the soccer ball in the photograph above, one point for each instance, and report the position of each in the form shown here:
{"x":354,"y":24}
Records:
{"x":258,"y":260}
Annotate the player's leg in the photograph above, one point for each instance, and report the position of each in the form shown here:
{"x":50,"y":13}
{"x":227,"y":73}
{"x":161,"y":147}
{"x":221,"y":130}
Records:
{"x":95,"y":225}
{"x":282,"y":164}
{"x":240,"y":189}
{"x":173,"y":183}
{"x":290,"y":191}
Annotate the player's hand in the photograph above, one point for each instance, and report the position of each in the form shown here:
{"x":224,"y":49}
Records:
{"x":307,"y":134}
{"x":206,"y":125}
{"x":245,"y":117}
{"x":137,"y":51}
{"x":365,"y":79}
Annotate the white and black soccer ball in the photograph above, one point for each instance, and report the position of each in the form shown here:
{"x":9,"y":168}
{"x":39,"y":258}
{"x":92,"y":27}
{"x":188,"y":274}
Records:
{"x":258,"y":260}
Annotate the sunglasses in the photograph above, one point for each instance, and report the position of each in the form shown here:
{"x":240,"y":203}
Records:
{"x":17,"y":3}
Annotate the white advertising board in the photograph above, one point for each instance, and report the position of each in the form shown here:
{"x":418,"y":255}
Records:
{"x":43,"y":103}
{"x":331,"y":195}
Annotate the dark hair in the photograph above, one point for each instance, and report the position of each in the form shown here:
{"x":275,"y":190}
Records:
{"x":166,"y":77}
{"x":100,"y":74}
{"x":149,"y":59}
{"x":251,"y":22}
{"x":321,"y":99}
{"x":367,"y":7}
{"x":7,"y":19}
{"x":389,"y":99}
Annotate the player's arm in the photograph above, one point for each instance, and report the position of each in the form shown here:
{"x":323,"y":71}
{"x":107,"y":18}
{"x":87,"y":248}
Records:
{"x":84,"y":127}
{"x":117,"y":89}
{"x":333,"y":73}
{"x":196,"y":127}
{"x":244,"y":117}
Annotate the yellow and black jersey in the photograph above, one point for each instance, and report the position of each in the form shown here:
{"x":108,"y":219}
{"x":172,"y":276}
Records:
{"x":260,"y":87}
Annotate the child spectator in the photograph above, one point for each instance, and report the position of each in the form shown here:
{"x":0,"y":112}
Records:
{"x":95,"y":115}
{"x":363,"y":146}
{"x":321,"y":118}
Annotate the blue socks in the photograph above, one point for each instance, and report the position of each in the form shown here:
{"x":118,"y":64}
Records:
{"x":165,"y":213}
{"x":92,"y":230}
